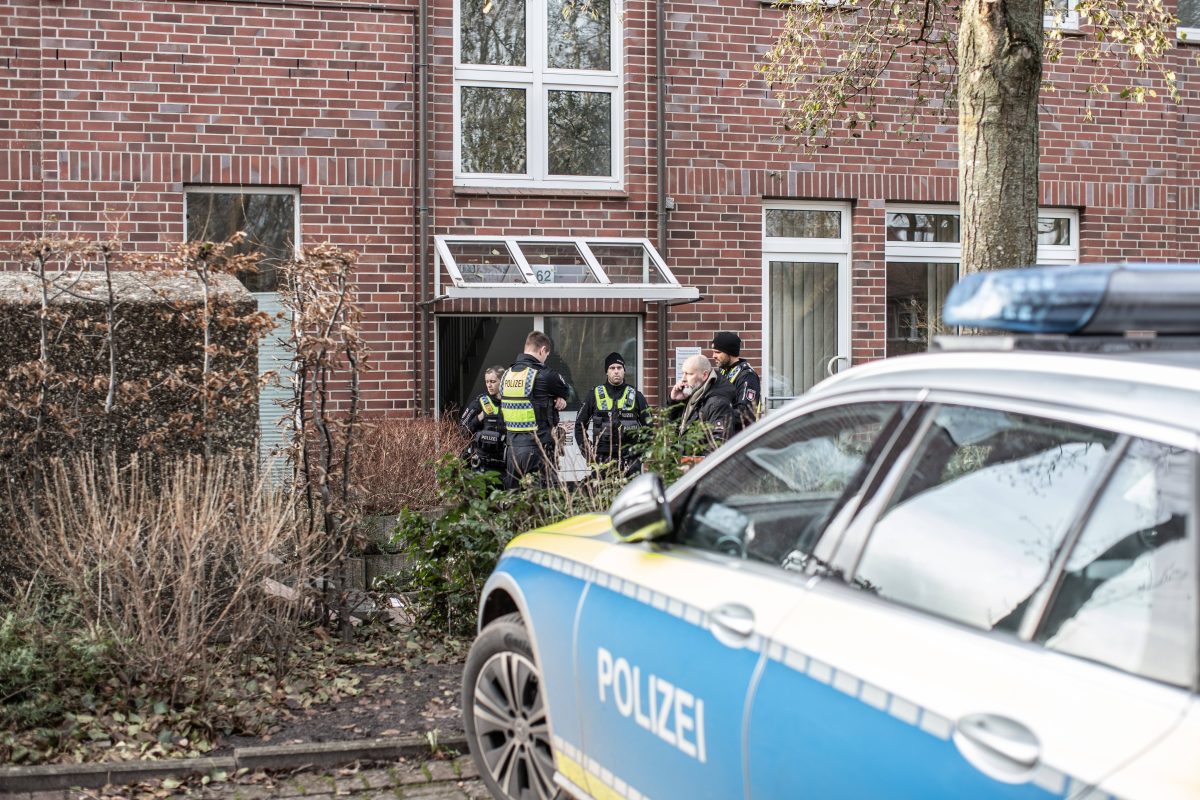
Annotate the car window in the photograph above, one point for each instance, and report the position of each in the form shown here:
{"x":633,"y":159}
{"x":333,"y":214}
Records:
{"x":980,"y":514}
{"x":1127,"y":596}
{"x":771,"y":500}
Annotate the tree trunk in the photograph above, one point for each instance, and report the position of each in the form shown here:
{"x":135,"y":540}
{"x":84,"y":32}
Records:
{"x":1000,"y":72}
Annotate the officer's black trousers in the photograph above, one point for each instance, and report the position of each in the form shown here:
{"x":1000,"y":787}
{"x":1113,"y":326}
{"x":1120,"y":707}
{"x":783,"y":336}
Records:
{"x":526,"y":454}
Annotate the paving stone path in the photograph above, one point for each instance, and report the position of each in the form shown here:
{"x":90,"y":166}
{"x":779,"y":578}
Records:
{"x":403,"y":780}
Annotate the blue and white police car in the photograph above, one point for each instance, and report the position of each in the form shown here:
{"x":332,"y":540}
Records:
{"x":967,"y":574}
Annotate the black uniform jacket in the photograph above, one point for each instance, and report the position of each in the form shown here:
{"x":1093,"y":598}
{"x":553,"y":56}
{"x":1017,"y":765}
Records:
{"x":588,"y":410}
{"x":470,"y":417}
{"x":747,"y":394}
{"x":715,"y":407}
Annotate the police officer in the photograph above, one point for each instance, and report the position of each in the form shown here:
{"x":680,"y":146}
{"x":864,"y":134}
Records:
{"x":615,"y":409}
{"x":747,"y":392}
{"x":483,"y":423}
{"x":531,"y":395}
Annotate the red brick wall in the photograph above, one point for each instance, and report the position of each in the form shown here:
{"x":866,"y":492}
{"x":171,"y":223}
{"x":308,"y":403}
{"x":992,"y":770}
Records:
{"x":116,"y":107}
{"x":110,"y":108}
{"x":1129,"y":171}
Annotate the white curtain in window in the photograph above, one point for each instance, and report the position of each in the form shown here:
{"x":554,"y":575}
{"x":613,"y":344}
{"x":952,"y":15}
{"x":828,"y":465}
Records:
{"x":803,"y":311}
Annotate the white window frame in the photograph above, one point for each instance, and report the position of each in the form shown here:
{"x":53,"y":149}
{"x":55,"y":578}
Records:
{"x":1188,"y":33}
{"x":537,"y":79}
{"x":218,"y":189}
{"x":1048,"y":254}
{"x":1069,"y":21}
{"x":950,"y":252}
{"x":668,"y":288}
{"x":781,"y":248}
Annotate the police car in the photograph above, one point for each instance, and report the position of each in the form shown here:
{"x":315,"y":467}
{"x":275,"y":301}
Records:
{"x":966,"y":574}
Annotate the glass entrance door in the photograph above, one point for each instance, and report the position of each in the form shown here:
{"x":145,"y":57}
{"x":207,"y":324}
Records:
{"x":467,"y":346}
{"x":808,"y":323}
{"x":580,"y":346}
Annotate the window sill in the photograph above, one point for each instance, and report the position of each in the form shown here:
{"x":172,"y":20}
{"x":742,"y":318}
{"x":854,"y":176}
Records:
{"x":1066,"y":32}
{"x":832,"y":5}
{"x":512,"y":191}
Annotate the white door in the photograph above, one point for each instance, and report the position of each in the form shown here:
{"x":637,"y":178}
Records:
{"x":808,"y":323}
{"x":806,"y":296}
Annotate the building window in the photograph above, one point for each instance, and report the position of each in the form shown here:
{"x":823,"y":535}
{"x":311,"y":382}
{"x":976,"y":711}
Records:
{"x":806,"y":287}
{"x":923,"y":248}
{"x":537,"y":98}
{"x":1189,"y":20}
{"x":1061,"y":14}
{"x":270,"y":218}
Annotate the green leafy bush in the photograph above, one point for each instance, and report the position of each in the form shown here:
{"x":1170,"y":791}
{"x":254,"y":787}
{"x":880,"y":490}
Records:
{"x":662,"y":448}
{"x":452,"y":554}
{"x":39,"y":658}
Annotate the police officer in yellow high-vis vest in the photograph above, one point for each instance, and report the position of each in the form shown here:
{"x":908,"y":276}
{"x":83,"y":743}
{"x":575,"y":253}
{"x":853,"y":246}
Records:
{"x":615,"y":409}
{"x":482,"y":422}
{"x":531,"y":395}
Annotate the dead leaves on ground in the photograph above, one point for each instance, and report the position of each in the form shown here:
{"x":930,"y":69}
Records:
{"x":111,"y":723}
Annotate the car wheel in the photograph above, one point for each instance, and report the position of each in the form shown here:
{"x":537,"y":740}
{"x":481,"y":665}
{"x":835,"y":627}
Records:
{"x":504,"y":714}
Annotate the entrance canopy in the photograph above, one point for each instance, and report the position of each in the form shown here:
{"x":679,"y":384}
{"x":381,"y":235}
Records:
{"x":555,"y":267}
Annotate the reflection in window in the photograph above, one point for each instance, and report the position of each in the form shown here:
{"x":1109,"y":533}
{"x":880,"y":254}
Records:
{"x":771,"y":501}
{"x":905,"y":226}
{"x":268,"y":220}
{"x":580,"y":133}
{"x":557,"y":262}
{"x":580,"y":34}
{"x":539,"y":88}
{"x":627,"y":263}
{"x":1060,"y":14}
{"x":1128,"y":595}
{"x":493,"y":130}
{"x":1054,"y":230}
{"x":1189,"y":14}
{"x":803,"y":223}
{"x":915,"y":295}
{"x":981,"y":514}
{"x":485,"y":262}
{"x":492,"y":32}
{"x":580,"y":345}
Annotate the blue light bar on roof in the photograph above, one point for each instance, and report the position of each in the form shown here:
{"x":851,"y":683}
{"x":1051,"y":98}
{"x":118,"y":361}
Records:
{"x":1091,"y":299}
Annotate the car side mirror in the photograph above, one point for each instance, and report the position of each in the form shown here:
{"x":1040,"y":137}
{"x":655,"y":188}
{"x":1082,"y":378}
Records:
{"x":640,"y":513}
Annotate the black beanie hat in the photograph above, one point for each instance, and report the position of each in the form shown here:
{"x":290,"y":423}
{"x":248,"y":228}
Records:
{"x":613,"y":358}
{"x":728,"y":342}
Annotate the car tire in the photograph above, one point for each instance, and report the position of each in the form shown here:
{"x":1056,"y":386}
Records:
{"x":504,"y":714}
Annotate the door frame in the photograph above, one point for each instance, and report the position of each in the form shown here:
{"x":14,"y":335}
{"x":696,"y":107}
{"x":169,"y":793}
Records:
{"x":539,"y":324}
{"x":826,"y":251}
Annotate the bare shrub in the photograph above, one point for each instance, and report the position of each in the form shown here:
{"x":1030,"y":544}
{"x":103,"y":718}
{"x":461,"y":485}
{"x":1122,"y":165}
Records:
{"x":187,"y":564}
{"x":397,"y":462}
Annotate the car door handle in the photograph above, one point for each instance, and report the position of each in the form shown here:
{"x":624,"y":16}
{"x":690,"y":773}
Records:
{"x":996,"y":745}
{"x":733,"y":619}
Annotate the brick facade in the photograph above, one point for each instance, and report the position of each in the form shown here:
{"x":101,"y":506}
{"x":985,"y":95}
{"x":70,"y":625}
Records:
{"x":111,"y":108}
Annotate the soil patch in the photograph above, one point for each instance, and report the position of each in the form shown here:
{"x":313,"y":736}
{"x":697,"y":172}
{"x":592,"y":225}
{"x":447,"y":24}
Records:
{"x":392,"y":701}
